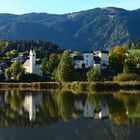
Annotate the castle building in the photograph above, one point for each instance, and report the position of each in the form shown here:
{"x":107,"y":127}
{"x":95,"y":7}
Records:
{"x":31,"y":65}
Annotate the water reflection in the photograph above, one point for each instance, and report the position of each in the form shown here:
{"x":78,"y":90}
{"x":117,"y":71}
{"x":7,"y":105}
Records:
{"x":91,"y":111}
{"x":20,"y":108}
{"x":31,"y":115}
{"x":31,"y":105}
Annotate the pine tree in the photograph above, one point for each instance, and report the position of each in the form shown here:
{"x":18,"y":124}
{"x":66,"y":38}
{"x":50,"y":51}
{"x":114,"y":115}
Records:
{"x":65,"y":70}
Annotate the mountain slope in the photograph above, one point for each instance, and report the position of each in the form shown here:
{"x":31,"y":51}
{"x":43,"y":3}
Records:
{"x":92,"y":29}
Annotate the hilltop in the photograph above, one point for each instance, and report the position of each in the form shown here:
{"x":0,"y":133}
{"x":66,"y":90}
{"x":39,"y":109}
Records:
{"x":93,"y":29}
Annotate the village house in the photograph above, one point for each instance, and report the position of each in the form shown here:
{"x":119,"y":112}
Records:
{"x":97,"y":59}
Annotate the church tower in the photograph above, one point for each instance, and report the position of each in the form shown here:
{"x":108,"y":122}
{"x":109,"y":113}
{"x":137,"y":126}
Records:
{"x":32,"y":61}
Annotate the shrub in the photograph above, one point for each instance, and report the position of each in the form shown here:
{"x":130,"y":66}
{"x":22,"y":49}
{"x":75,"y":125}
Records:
{"x":94,"y":75}
{"x":82,"y":86}
{"x":126,"y":77}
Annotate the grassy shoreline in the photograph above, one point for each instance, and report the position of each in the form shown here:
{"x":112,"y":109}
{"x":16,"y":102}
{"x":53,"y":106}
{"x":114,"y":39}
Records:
{"x":73,"y":86}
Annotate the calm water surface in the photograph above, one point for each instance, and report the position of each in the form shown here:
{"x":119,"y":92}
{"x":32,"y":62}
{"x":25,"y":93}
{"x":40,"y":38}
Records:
{"x":26,"y":115}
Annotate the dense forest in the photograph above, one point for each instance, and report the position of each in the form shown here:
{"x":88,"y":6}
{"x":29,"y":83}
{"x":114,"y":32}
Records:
{"x":43,"y":49}
{"x":133,"y":45}
{"x":86,"y":30}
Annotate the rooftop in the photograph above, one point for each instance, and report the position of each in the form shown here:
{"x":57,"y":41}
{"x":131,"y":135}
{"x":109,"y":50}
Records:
{"x":78,"y":57}
{"x":88,"y":52}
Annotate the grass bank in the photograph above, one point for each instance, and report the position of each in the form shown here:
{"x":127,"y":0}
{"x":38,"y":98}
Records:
{"x":74,"y":86}
{"x":32,"y":85}
{"x":101,"y":86}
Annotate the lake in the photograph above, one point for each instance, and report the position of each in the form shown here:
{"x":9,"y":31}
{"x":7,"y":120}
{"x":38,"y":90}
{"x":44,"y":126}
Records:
{"x":59,"y":115}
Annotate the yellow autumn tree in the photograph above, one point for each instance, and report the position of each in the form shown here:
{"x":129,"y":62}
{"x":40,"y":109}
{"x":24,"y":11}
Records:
{"x":117,"y":57}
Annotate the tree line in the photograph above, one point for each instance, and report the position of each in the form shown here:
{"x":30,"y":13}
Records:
{"x":43,"y":49}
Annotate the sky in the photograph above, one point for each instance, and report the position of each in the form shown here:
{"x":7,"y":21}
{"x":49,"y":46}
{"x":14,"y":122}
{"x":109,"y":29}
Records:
{"x":62,"y":6}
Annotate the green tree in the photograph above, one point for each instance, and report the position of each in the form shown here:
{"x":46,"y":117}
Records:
{"x":138,"y":69}
{"x":94,"y":75}
{"x":65,"y":69}
{"x":130,"y":65}
{"x":52,"y":62}
{"x":76,"y":53}
{"x":8,"y":55}
{"x":117,"y":58}
{"x":12,"y":53}
{"x":15,"y":71}
{"x":43,"y":67}
{"x":8,"y":73}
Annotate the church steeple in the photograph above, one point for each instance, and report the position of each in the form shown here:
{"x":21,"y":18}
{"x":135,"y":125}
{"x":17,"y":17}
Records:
{"x":32,"y":61}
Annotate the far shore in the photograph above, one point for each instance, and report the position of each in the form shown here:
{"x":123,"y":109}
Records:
{"x":73,"y":86}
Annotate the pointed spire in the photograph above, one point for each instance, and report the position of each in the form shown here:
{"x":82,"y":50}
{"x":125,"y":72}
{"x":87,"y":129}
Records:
{"x":32,"y":48}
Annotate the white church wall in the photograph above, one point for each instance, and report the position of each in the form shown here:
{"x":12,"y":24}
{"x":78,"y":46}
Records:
{"x":30,"y":65}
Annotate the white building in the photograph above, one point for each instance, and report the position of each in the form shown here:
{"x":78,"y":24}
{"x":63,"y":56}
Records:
{"x":31,"y":65}
{"x":88,"y":59}
{"x":103,"y":55}
{"x":79,"y":62}
{"x":97,"y":59}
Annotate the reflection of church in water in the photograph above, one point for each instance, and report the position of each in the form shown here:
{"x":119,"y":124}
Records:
{"x":31,"y":104}
{"x":90,"y":112}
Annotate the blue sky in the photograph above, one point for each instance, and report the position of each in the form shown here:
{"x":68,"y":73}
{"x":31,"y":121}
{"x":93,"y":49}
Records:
{"x":62,"y":6}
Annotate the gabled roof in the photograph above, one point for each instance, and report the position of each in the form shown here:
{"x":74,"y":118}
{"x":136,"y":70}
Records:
{"x":104,"y":51}
{"x":78,"y":58}
{"x":88,"y":52}
{"x":26,"y":63}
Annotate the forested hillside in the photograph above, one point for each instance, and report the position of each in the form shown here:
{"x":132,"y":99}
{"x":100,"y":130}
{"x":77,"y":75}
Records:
{"x":43,"y":49}
{"x":133,"y":45}
{"x":86,"y":30}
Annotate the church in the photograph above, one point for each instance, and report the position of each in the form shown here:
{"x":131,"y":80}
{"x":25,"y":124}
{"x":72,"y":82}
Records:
{"x":31,"y":65}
